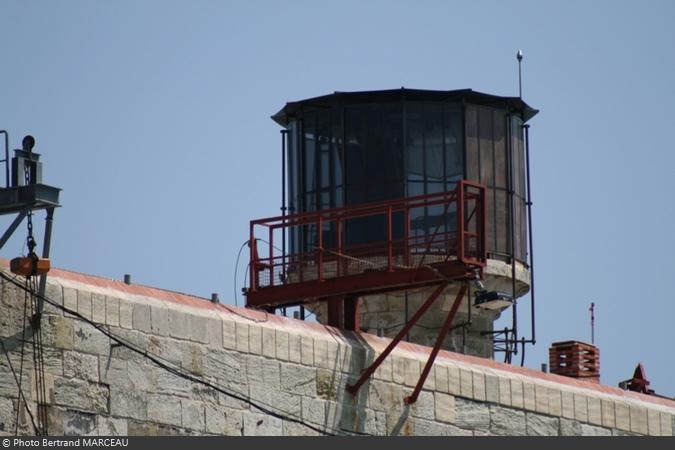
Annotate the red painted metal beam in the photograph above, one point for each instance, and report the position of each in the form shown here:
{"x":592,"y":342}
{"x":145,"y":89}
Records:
{"x":412,"y":398}
{"x":353,"y":388}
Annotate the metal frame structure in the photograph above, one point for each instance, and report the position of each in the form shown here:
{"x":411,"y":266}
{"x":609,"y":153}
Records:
{"x":335,"y":272}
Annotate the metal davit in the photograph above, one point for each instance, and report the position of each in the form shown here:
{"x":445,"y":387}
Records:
{"x":331,"y":267}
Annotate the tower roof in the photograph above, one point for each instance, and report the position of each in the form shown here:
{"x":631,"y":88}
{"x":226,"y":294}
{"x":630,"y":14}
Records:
{"x":291,"y":109}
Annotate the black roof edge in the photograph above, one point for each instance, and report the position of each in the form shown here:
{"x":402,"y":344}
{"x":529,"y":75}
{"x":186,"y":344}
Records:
{"x":291,"y":108}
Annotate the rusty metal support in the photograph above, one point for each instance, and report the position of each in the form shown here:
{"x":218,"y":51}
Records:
{"x":353,"y":388}
{"x":412,"y":398}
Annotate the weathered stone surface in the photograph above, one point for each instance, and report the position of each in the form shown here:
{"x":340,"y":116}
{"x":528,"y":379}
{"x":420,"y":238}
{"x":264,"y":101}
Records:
{"x":70,"y":298}
{"x":77,"y":423}
{"x":80,"y":365}
{"x":507,"y":421}
{"x":314,"y":411}
{"x":299,"y":380}
{"x":492,"y":389}
{"x":307,"y":350}
{"x":622,"y":416}
{"x":638,"y":419}
{"x":424,"y":427}
{"x":276,"y":400}
{"x":554,"y":402}
{"x":7,"y":415}
{"x":256,"y":424}
{"x":214,"y":331}
{"x":224,"y":365}
{"x":424,"y":406}
{"x":517,"y":399}
{"x":84,"y":303}
{"x":667,"y":422}
{"x":222,"y":420}
{"x":569,"y":427}
{"x":607,"y":410}
{"x":298,"y":429}
{"x":541,"y":399}
{"x":57,"y":332}
{"x":142,"y":317}
{"x":479,"y":392}
{"x":466,"y":383}
{"x":164,"y":409}
{"x":471,"y":415}
{"x":384,"y":396}
{"x":126,"y":315}
{"x":504,"y":391}
{"x":281,"y":343}
{"x":110,"y":426}
{"x":591,"y":430}
{"x":529,"y":400}
{"x":255,"y":339}
{"x":581,"y":407}
{"x":88,"y":339}
{"x":229,"y":335}
{"x":444,"y":407}
{"x":199,"y":332}
{"x":242,"y":337}
{"x":193,"y":416}
{"x":126,"y":402}
{"x":441,"y":375}
{"x":112,"y":313}
{"x":179,"y":325}
{"x":82,"y":395}
{"x":98,"y":308}
{"x":567,"y":403}
{"x":538,"y":425}
{"x":594,"y":411}
{"x":159,"y":320}
{"x":294,"y":348}
{"x":261,"y":370}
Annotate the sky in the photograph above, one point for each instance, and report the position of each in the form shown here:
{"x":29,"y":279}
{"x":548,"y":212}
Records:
{"x":154,"y":119}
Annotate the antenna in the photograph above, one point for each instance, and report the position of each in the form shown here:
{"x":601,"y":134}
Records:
{"x":592,"y":311}
{"x":519,"y":57}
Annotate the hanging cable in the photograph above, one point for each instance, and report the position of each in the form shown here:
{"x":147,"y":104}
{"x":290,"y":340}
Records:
{"x":167,"y":365}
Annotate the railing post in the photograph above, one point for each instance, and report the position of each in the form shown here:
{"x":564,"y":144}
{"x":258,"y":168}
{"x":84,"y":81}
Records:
{"x":319,"y":266}
{"x":389,"y":241}
{"x":271,"y":254}
{"x":338,"y":261}
{"x":460,"y":221}
{"x":253,"y":256}
{"x":406,"y":235}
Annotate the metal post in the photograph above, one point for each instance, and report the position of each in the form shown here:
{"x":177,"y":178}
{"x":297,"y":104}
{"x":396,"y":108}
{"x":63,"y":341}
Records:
{"x":412,"y":398}
{"x":283,"y":201}
{"x":45,"y":254}
{"x":12,"y":228}
{"x":353,"y":388}
{"x":6,"y":157}
{"x":529,"y":228}
{"x":512,"y":244}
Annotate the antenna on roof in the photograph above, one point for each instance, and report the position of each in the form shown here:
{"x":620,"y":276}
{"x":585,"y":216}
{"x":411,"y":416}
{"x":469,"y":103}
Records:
{"x":519,"y":57}
{"x":592,"y":311}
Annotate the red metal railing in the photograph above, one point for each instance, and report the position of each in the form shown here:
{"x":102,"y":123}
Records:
{"x":394,"y":235}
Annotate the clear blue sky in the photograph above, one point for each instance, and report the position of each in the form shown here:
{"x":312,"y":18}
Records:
{"x":153,"y":116}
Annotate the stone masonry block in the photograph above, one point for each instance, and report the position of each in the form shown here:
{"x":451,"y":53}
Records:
{"x":492,"y":389}
{"x":479,"y":386}
{"x":125,"y":402}
{"x":554,"y":402}
{"x":126,"y":314}
{"x":88,"y":339}
{"x":179,"y":323}
{"x":70,"y":298}
{"x":159,"y":320}
{"x":98,"y":307}
{"x":567,"y":404}
{"x":84,"y":303}
{"x":444,"y":405}
{"x":504,"y":391}
{"x":307,"y":350}
{"x":608,"y":418}
{"x":199,"y":332}
{"x":441,"y":376}
{"x":653,"y":423}
{"x":242,"y":337}
{"x":255,"y":339}
{"x":638,"y":419}
{"x":193,"y":415}
{"x":424,"y":406}
{"x":506,"y":421}
{"x":214,"y":331}
{"x":80,"y":365}
{"x":294,"y":348}
{"x":466,"y":383}
{"x":581,"y":407}
{"x":622,"y":415}
{"x":453,"y":381}
{"x":666,"y":424}
{"x":164,"y":409}
{"x":269,"y":345}
{"x":570,"y":427}
{"x":314,"y":411}
{"x":590,"y":430}
{"x":321,"y":358}
{"x":541,"y":399}
{"x":594,"y":411}
{"x":385,"y":371}
{"x":110,"y":426}
{"x":299,"y":380}
{"x":539,"y":425}
{"x":281,"y":342}
{"x":471,"y":415}
{"x":141,"y":317}
{"x":398,"y":369}
{"x":112,"y":312}
{"x":261,"y":425}
{"x":81,"y":395}
{"x":230,"y":335}
{"x":54,"y":292}
{"x":58,"y":332}
{"x":412,"y":372}
{"x":264,"y":371}
{"x":383,"y":396}
{"x":517,"y":399}
{"x":529,"y":400}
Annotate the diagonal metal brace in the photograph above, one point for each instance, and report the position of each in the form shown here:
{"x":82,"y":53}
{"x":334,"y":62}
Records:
{"x":353,"y":388}
{"x":412,"y":398}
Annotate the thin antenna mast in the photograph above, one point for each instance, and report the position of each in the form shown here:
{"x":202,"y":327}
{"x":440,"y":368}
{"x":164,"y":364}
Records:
{"x":519,"y":57}
{"x":592,"y":311}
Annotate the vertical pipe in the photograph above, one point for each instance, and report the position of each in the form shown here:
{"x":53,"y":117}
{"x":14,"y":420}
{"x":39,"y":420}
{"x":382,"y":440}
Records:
{"x":45,"y":254}
{"x":513,"y":230}
{"x":529,"y":229}
{"x":271,"y":254}
{"x":283,"y":202}
{"x":6,"y":157}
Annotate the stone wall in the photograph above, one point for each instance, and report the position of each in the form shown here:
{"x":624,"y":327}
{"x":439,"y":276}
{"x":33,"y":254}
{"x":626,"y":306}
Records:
{"x":287,"y":376}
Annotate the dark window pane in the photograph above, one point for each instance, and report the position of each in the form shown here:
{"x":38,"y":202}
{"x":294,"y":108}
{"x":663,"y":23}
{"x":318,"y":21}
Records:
{"x":472,"y":143}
